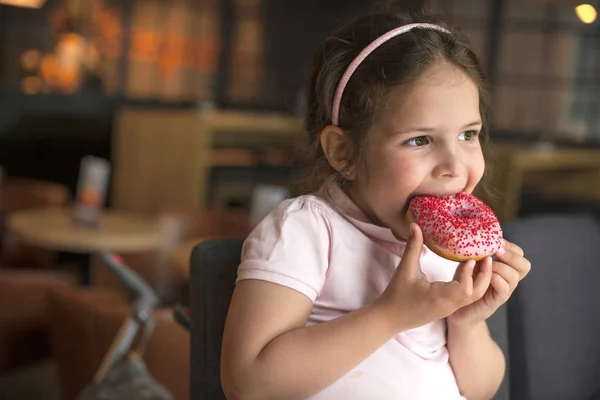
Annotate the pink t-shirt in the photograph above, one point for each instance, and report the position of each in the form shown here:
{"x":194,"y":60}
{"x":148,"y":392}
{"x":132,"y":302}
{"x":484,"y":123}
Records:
{"x":341,"y":262}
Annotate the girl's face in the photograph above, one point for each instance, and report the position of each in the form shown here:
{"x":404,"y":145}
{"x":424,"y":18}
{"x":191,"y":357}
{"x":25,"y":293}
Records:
{"x":425,"y":141}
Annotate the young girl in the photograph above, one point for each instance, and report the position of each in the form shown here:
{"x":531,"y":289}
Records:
{"x":337,"y":298}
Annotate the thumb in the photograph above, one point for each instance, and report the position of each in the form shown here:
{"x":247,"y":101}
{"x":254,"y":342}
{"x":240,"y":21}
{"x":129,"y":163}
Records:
{"x":409,"y":265}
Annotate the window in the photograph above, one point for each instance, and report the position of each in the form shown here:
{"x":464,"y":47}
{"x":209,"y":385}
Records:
{"x":547,"y":82}
{"x":538,"y":71}
{"x":471,"y":18}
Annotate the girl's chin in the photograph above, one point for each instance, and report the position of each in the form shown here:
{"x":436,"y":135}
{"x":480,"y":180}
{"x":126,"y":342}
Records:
{"x":400,"y":231}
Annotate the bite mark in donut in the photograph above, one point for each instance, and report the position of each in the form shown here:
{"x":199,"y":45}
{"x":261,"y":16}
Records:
{"x":458,"y":228}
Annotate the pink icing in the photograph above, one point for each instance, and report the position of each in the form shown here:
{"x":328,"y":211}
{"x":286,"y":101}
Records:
{"x":462,"y":225}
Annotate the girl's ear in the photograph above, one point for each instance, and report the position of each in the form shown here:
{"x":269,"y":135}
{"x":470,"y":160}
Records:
{"x":338,"y":149}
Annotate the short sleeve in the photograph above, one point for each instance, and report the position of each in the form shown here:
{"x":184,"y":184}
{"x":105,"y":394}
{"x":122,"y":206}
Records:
{"x":290,"y":247}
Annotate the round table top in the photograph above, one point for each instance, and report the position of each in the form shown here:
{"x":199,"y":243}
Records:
{"x":118,"y":231}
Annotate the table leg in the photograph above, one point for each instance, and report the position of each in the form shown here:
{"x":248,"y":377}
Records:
{"x":86,"y":269}
{"x":84,"y":264}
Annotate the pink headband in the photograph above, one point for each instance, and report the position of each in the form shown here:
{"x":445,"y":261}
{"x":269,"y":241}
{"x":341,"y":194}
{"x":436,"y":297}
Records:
{"x":364,"y":54}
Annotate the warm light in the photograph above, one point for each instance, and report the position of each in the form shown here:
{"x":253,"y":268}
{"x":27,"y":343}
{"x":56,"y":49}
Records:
{"x":24,"y":3}
{"x":32,"y":85}
{"x":586,"y":13}
{"x":30,"y":59}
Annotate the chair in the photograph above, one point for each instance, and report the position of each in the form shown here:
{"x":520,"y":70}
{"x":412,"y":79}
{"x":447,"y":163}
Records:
{"x":554,"y":315}
{"x":24,"y":321}
{"x":18,"y":194}
{"x":213,"y":273}
{"x":24,"y":332}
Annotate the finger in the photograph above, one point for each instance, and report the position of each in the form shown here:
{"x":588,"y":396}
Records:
{"x":483,"y":278}
{"x":522,"y":266}
{"x":509,"y":246}
{"x":517,"y":262}
{"x":409,"y":265}
{"x":464,"y":272}
{"x":506,"y":255}
{"x":501,"y":287}
{"x":462,"y":284}
{"x":506,"y":272}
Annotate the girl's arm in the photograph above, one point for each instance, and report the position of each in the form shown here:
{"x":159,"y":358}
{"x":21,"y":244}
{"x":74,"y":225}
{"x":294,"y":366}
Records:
{"x":268,"y":353}
{"x":477,"y":360}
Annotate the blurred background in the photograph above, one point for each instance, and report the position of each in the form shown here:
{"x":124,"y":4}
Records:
{"x":193,"y":110}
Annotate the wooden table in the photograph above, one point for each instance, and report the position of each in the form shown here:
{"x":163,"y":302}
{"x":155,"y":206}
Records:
{"x":565,"y":173}
{"x":55,"y":229}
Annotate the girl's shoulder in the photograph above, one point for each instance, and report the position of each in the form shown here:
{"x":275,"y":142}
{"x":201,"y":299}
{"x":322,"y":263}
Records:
{"x":294,"y":220}
{"x":291,"y":246}
{"x":304,"y":204}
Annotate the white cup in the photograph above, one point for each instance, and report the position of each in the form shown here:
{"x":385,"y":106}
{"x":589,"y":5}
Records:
{"x":264,"y":199}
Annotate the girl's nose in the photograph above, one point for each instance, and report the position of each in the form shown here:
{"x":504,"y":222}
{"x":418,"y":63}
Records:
{"x":449,"y":164}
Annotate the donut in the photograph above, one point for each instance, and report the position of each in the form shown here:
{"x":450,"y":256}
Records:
{"x":457,"y":228}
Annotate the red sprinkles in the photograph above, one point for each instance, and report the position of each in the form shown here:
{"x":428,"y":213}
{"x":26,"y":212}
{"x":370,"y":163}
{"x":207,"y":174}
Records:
{"x":461,"y":225}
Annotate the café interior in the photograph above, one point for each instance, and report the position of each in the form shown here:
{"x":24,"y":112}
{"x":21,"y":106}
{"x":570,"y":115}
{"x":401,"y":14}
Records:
{"x":181,"y":122}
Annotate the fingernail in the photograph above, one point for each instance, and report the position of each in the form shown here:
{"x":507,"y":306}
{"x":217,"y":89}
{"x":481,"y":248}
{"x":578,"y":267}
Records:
{"x":411,"y":230}
{"x":471,"y":263}
{"x":501,"y":250}
{"x":502,"y":242}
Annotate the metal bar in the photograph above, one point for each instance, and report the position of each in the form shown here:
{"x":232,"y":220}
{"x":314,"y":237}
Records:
{"x":119,"y":347}
{"x":125,"y":47}
{"x":3,"y":39}
{"x":594,"y":107}
{"x":497,"y":8}
{"x":228,"y":19}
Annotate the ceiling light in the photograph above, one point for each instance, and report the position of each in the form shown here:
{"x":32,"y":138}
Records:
{"x":586,"y":13}
{"x":24,"y":3}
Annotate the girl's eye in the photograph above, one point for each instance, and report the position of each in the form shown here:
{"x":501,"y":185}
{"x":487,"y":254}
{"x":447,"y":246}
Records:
{"x":468,"y":135}
{"x":418,"y":141}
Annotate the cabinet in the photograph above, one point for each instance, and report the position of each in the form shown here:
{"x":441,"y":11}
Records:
{"x":164,"y":157}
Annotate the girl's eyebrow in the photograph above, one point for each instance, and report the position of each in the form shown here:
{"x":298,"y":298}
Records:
{"x":473,"y":124}
{"x":425,"y":129}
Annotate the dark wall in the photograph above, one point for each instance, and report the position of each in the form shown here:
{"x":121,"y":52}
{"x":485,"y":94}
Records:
{"x":50,"y":145}
{"x":294,"y":30}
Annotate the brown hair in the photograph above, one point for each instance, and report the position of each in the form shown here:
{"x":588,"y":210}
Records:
{"x":399,"y":62}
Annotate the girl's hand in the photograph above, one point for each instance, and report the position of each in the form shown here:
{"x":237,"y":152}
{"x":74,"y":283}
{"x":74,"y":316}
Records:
{"x":509,"y":268}
{"x":410,"y":301}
